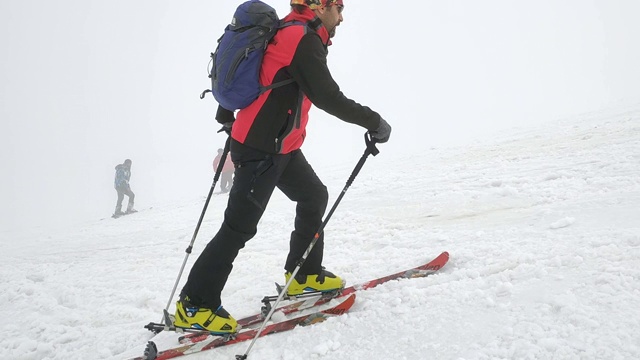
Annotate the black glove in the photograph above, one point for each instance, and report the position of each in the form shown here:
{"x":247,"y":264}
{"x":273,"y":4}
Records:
{"x":224,"y":116}
{"x":226,"y":127}
{"x":382,"y":133}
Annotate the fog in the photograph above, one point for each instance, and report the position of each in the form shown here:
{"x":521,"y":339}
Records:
{"x":87,"y":84}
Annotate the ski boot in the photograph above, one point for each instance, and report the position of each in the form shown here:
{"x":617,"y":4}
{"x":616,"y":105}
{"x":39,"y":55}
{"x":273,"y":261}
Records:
{"x":217,"y":322}
{"x":323,"y":282}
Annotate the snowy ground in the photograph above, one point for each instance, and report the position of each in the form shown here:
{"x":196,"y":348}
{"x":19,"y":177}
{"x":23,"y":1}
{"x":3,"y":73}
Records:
{"x":543,"y":228}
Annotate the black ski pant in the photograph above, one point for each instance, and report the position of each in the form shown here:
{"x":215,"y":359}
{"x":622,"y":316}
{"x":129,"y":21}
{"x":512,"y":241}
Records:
{"x":122,"y":191}
{"x":257,"y":174}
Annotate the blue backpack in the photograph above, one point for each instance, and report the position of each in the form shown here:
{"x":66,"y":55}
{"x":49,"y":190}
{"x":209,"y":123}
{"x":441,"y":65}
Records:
{"x":235,"y":73}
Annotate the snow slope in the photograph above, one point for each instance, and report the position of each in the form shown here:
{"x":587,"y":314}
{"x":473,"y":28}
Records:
{"x":542,"y":224}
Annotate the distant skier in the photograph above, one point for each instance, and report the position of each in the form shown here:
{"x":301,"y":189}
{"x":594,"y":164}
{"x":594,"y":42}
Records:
{"x":226,"y":177}
{"x":121,"y":184}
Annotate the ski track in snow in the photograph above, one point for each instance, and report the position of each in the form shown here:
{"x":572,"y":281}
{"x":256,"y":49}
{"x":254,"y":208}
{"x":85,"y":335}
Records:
{"x":541,"y":224}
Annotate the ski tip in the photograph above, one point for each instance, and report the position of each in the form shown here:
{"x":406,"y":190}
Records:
{"x":444,"y":256}
{"x":343,"y":307}
{"x":351,"y":300}
{"x":437,"y":263}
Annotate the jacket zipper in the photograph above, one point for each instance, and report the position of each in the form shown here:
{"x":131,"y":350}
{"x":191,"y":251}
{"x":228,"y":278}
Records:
{"x":280,"y":140}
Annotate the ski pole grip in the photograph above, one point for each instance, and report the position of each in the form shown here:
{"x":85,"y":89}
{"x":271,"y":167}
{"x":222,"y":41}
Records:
{"x":371,"y":144}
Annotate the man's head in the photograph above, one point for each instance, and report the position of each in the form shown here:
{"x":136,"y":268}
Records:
{"x":220,"y":151}
{"x":127,"y":163}
{"x":315,"y":4}
{"x":328,"y":11}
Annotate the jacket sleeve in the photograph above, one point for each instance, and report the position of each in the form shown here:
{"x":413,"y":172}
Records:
{"x":309,"y":69}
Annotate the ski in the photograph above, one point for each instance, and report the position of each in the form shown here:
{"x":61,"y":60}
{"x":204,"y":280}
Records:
{"x":319,"y":299}
{"x":206,"y":341}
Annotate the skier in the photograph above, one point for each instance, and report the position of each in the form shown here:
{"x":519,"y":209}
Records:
{"x":226,"y":177}
{"x":121,"y":184}
{"x":265,"y":147}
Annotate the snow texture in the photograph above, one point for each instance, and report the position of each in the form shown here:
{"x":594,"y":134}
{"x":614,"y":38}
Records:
{"x":542,"y":224}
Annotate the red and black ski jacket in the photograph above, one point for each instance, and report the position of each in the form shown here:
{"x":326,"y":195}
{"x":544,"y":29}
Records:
{"x":275,"y":122}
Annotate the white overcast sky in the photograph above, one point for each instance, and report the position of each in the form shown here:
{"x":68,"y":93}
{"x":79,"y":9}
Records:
{"x":85,"y":84}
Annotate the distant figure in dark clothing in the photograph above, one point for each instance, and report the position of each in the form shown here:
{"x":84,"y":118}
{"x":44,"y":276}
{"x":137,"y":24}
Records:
{"x":226,"y":177}
{"x":121,"y":183}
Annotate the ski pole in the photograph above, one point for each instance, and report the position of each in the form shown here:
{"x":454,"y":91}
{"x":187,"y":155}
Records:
{"x":370,"y":150}
{"x":204,"y":210}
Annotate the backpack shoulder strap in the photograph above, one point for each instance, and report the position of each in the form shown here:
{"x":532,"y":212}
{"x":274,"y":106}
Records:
{"x":283,"y":25}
